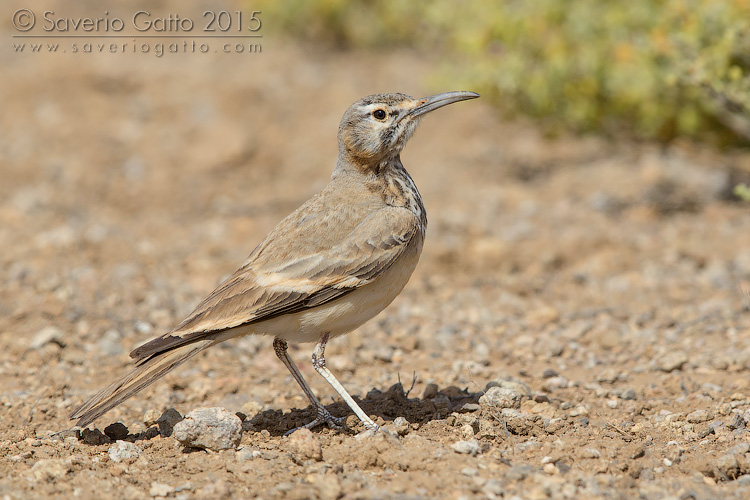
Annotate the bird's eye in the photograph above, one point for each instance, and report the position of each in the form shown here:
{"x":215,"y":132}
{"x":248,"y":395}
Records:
{"x":379,"y":114}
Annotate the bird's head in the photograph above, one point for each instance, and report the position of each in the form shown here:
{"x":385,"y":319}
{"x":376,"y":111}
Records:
{"x":375,"y":128}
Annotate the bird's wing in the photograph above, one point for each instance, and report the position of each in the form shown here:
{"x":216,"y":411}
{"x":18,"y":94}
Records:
{"x":259,"y":291}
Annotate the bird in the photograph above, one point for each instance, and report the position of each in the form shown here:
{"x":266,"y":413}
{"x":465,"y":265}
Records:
{"x":327,"y":268}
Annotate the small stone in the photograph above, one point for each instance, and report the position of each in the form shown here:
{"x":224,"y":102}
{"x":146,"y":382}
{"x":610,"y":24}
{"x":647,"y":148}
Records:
{"x":728,"y":465}
{"x":48,"y":469}
{"x":94,"y":437}
{"x":608,"y":376}
{"x":493,"y":487}
{"x":328,"y":486}
{"x":629,"y":395}
{"x":209,"y":428}
{"x":247,"y":453}
{"x":591,"y":453}
{"x":470,"y":447}
{"x":469,"y":471}
{"x":160,"y":489}
{"x":116,"y":431}
{"x":673,"y":360}
{"x":218,"y":489}
{"x":703,"y":433}
{"x":549,"y":373}
{"x":515,"y":385}
{"x":736,"y":422}
{"x":498,"y":397}
{"x":401,"y":426}
{"x":540,"y":397}
{"x":150,"y":417}
{"x":518,"y":472}
{"x":430,"y":391}
{"x":45,"y":336}
{"x":550,"y":469}
{"x":740,"y":448}
{"x":467,"y":431}
{"x":109,"y":343}
{"x":698,"y":416}
{"x":469,"y":407}
{"x":553,"y":383}
{"x":123,"y":451}
{"x":168,"y":420}
{"x":252,"y":408}
{"x":305,"y":445}
{"x":143,"y":327}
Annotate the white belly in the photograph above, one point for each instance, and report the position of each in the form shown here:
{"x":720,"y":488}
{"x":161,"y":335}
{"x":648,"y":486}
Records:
{"x":344,"y":314}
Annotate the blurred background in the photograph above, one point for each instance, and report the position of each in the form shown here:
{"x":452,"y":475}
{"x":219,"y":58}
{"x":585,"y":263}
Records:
{"x":588,"y":215}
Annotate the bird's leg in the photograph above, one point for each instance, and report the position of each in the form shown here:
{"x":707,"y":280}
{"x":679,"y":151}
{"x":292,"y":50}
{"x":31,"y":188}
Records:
{"x":323,"y":416}
{"x":319,"y":363}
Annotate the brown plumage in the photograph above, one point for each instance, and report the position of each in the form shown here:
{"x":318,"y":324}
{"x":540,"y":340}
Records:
{"x":328,"y":267}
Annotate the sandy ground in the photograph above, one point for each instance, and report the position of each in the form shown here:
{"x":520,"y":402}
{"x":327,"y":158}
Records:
{"x":603,"y":279}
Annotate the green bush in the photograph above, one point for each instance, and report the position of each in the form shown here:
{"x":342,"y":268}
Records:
{"x":646,"y":68}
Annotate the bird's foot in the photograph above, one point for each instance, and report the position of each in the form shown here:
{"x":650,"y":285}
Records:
{"x":324,"y":417}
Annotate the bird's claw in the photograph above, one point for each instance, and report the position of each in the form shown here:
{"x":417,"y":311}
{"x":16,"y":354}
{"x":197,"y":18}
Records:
{"x":324,"y":417}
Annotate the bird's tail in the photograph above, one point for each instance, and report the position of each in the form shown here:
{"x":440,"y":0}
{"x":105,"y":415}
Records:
{"x":147,"y":371}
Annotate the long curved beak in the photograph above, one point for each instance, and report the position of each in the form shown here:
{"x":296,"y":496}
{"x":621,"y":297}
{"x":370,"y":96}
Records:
{"x":433,"y":102}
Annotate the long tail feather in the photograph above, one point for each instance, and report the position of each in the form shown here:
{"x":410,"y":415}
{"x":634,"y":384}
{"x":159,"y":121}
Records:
{"x":136,"y":380}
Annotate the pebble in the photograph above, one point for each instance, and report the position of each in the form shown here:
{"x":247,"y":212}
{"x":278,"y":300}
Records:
{"x":247,"y":453}
{"x":430,"y":391}
{"x":45,"y":336}
{"x":150,"y":417}
{"x":736,"y":422}
{"x":740,"y":449}
{"x":116,"y":431}
{"x":467,"y":431}
{"x":673,"y":360}
{"x":698,"y":416}
{"x":493,"y":487}
{"x":49,"y":469}
{"x":401,"y":426}
{"x":209,"y":428}
{"x":123,"y":451}
{"x":591,"y":453}
{"x":728,"y":465}
{"x":498,"y":397}
{"x":629,"y":395}
{"x":609,"y":376}
{"x":305,"y":445}
{"x":550,"y":469}
{"x":94,"y":437}
{"x":540,"y":397}
{"x":579,"y":410}
{"x":470,"y":447}
{"x":469,"y":407}
{"x":160,"y":489}
{"x":553,"y":383}
{"x":515,"y":385}
{"x":518,"y":472}
{"x":167,"y":421}
{"x":109,"y":343}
